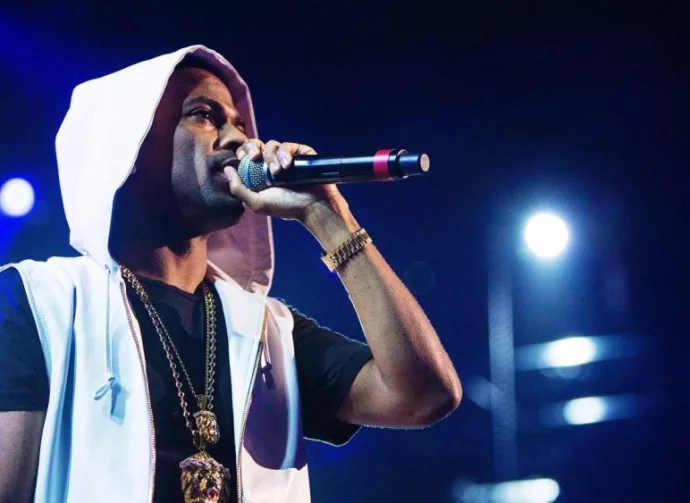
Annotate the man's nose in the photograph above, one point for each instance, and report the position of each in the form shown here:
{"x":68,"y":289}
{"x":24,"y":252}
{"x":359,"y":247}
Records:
{"x":230,"y":138}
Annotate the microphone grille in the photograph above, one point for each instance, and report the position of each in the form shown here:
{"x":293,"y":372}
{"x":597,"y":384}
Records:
{"x":252,"y":175}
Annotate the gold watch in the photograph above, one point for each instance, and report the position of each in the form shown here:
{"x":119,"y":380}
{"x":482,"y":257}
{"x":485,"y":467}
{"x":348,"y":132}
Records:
{"x":354,"y":244}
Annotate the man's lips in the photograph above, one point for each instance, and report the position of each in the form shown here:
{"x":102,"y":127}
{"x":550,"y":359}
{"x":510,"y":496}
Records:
{"x":234,"y":162}
{"x":220,"y":166}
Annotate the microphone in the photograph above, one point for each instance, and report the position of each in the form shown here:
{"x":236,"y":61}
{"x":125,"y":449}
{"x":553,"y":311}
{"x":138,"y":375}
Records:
{"x":384,"y":165}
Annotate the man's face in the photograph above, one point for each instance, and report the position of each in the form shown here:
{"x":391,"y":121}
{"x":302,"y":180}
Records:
{"x":195,"y":134}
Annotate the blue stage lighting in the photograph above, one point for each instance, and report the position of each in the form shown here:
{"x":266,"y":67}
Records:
{"x":591,"y":409}
{"x":569,"y":352}
{"x":546,"y":235}
{"x":16,"y":197}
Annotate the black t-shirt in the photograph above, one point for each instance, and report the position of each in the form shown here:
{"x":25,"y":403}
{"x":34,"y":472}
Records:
{"x":327,"y":364}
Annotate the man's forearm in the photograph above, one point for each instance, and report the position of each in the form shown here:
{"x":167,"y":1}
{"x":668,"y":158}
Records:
{"x":408,"y":355}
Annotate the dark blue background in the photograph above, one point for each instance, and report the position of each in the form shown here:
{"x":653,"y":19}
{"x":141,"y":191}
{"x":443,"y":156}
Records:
{"x":520,"y":105}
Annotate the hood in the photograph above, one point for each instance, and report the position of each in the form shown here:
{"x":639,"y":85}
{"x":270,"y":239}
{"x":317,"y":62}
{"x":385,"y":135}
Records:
{"x":98,"y":144}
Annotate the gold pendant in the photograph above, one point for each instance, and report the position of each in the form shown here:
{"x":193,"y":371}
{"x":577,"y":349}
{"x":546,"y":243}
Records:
{"x":202,"y":401}
{"x":207,"y":427}
{"x":204,"y":480}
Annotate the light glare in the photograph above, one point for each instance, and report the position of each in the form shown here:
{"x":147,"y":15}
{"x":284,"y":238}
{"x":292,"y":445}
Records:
{"x":513,"y":491}
{"x":546,"y":235}
{"x":585,"y":410}
{"x":526,"y":491}
{"x":570,"y":352}
{"x":16,"y":197}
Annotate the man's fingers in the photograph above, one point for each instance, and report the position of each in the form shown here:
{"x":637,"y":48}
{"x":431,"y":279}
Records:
{"x":251,"y":148}
{"x":286,"y":152}
{"x":239,"y":190}
{"x":270,"y":157}
{"x":299,"y":149}
{"x":276,"y":155}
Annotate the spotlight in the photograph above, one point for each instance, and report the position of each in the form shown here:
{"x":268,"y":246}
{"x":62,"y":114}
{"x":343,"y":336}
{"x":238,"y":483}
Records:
{"x":592,"y":409}
{"x":597,"y":409}
{"x":578,"y":350}
{"x":16,"y":197}
{"x":569,"y":352}
{"x":546,"y":235}
{"x":514,"y":491}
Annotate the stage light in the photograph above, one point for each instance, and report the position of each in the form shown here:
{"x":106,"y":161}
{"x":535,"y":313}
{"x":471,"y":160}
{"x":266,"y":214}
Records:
{"x":569,"y":352}
{"x":596,"y":409}
{"x":526,"y":491}
{"x":578,"y":350}
{"x":587,"y":410}
{"x":16,"y":197}
{"x":546,"y":235}
{"x":514,"y":491}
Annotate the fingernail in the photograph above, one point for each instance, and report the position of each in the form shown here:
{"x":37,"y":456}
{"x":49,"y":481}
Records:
{"x":284,"y":161}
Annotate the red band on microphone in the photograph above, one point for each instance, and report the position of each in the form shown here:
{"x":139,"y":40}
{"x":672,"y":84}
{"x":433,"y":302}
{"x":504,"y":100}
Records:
{"x":381,"y":163}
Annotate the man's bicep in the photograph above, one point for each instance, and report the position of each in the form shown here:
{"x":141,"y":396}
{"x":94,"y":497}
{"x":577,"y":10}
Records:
{"x":20,"y":439}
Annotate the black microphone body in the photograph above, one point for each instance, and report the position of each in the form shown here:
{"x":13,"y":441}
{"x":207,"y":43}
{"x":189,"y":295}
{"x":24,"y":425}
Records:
{"x":384,"y":165}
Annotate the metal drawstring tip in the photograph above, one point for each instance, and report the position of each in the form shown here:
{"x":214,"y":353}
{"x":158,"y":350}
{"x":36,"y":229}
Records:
{"x":101,"y":392}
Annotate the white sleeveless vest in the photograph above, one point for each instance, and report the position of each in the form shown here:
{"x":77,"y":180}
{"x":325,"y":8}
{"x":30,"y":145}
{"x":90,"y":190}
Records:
{"x":98,"y":441}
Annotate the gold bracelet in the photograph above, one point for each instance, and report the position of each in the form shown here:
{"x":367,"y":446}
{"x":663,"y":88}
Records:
{"x":354,"y":244}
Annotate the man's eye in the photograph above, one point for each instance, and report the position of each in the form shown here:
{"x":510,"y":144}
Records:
{"x":204,"y":114}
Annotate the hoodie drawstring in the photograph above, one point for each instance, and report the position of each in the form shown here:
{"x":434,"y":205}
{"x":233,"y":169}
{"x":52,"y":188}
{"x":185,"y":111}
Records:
{"x":105,"y":388}
{"x":111,"y":380}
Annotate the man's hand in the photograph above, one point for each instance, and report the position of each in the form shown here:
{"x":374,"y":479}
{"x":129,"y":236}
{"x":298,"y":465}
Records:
{"x":411,"y":381}
{"x":277,"y":201}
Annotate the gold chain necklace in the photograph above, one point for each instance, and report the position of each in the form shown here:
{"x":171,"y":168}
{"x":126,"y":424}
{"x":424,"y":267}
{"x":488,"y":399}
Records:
{"x":203,"y":479}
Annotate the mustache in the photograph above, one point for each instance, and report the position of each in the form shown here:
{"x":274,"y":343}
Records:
{"x":218,"y":162}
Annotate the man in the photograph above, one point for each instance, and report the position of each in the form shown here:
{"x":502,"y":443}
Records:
{"x":155,"y":367}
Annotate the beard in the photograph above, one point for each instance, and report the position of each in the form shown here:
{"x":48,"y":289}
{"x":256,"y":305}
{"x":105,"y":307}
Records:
{"x":202,"y":194}
{"x":220,"y":208}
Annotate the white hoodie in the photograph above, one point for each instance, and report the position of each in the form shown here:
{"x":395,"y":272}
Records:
{"x":98,"y":440}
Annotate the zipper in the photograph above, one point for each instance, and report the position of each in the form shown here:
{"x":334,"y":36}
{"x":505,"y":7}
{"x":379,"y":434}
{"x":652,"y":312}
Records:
{"x":240,"y":496}
{"x":152,"y":435}
{"x":289,"y":447}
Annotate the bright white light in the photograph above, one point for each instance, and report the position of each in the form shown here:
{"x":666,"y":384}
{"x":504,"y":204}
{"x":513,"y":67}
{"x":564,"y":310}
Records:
{"x":16,"y":197}
{"x":569,"y":352}
{"x":588,"y":410}
{"x":546,"y":235}
{"x":596,"y":409}
{"x":526,"y":491}
{"x":514,"y":491}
